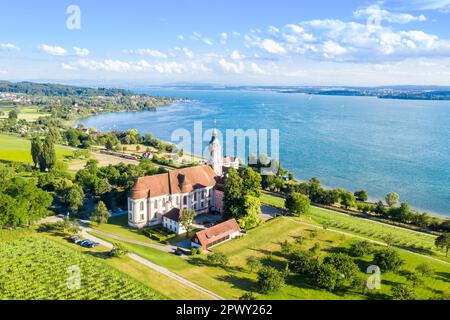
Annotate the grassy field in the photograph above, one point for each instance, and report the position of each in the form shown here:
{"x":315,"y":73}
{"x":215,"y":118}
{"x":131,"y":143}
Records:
{"x":119,"y":226}
{"x":402,"y":238}
{"x":32,"y":267}
{"x":13,"y":148}
{"x":25,"y":113}
{"x":233,"y":281}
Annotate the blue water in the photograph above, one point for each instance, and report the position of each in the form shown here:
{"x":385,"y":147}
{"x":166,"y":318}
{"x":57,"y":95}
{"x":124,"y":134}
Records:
{"x":348,"y":142}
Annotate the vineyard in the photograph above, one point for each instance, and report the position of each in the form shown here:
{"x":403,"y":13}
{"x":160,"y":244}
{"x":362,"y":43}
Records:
{"x":33,"y":267}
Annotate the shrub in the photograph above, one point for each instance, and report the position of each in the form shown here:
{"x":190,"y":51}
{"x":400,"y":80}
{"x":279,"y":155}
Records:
{"x":254,"y":263}
{"x":343,"y":263}
{"x":424,"y":269}
{"x":118,"y":250}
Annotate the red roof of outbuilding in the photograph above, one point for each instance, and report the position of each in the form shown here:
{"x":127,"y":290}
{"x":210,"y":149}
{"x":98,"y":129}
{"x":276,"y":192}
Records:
{"x":219,"y":231}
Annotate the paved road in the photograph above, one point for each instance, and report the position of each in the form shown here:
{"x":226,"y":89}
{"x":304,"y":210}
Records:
{"x":151,"y":265}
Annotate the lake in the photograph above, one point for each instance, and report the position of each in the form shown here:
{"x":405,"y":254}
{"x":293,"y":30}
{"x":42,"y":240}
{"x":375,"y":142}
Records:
{"x":347,"y":142}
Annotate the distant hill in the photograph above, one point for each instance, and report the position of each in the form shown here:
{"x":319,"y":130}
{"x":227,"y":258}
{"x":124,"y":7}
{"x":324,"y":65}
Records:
{"x":49,"y":89}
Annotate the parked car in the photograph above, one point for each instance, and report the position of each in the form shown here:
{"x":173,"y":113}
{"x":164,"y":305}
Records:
{"x":84,"y":243}
{"x":74,"y":239}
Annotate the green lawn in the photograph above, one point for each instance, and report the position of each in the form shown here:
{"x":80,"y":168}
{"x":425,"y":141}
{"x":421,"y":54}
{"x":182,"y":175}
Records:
{"x":13,"y":148}
{"x":234,"y":281}
{"x":403,"y":238}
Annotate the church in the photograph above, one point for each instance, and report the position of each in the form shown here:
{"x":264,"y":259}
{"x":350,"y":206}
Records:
{"x":161,"y":199}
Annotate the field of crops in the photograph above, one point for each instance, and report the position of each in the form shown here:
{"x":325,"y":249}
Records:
{"x":33,"y":267}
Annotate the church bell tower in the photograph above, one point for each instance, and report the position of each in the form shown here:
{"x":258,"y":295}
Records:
{"x":215,"y":159}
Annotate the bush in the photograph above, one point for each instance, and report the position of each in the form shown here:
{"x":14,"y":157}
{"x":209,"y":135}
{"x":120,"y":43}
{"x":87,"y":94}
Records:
{"x":298,"y":204}
{"x":118,"y":250}
{"x":388,"y":259}
{"x":361,"y":248}
{"x":270,"y":280}
{"x":425,"y":270}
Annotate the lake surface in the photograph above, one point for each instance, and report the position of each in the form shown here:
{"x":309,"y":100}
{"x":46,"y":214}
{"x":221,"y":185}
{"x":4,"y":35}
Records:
{"x":349,"y":142}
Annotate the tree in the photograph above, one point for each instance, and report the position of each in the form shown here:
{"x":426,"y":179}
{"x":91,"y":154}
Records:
{"x":187,"y":219}
{"x":251,"y":182}
{"x":218,"y":259}
{"x":443,"y":242}
{"x":343,"y":263}
{"x":13,"y":114}
{"x":303,"y":262}
{"x":254,"y":263}
{"x":101,"y":214}
{"x":248,"y":296}
{"x":392,"y":199}
{"x":270,"y":280}
{"x":233,"y":194}
{"x":347,"y":199}
{"x":249,"y":217}
{"x":361,"y":248}
{"x":298,"y":204}
{"x":388,"y":259}
{"x":361,"y":195}
{"x":73,"y":198}
{"x":328,"y":277}
{"x":48,"y":154}
{"x":424,"y":269}
{"x":36,"y":151}
{"x":403,"y":292}
{"x":118,"y":250}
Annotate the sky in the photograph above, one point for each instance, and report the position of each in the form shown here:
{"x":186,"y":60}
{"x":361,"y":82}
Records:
{"x":227,"y":42}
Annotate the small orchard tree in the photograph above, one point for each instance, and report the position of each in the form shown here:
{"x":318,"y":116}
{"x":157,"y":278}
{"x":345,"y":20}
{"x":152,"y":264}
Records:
{"x":361,"y":248}
{"x":328,"y":277}
{"x":388,"y":259}
{"x":424,"y":269}
{"x":187,"y":219}
{"x":443,"y":242}
{"x":218,"y":259}
{"x":270,"y":280}
{"x":254,"y":263}
{"x":298,"y":204}
{"x":101,"y":214}
{"x":392,"y":199}
{"x":403,"y":292}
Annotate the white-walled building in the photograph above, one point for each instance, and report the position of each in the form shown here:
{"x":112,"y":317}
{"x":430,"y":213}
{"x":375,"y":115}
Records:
{"x":160,"y":199}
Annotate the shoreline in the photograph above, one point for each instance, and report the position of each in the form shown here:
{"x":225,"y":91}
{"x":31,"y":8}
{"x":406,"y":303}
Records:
{"x":371,"y":198}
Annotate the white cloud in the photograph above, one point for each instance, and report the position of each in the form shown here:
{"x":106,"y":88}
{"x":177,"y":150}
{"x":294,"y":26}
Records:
{"x":53,"y":50}
{"x":3,"y":72}
{"x":188,"y":53}
{"x":66,"y":66}
{"x":440,"y":5}
{"x":235,"y":55}
{"x":271,"y":46}
{"x":81,"y":52}
{"x":273,"y":30}
{"x":197,"y":36}
{"x":231,"y":67}
{"x":223,"y":38}
{"x":375,"y":14}
{"x":332,"y":49}
{"x":8,"y":46}
{"x":180,"y":37}
{"x":254,"y":68}
{"x":147,"y":52}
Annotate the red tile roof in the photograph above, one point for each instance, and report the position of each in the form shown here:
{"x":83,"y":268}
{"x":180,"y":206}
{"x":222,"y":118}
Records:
{"x":176,"y":181}
{"x":218,"y":232}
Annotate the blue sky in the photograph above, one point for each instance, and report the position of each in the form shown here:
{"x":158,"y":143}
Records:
{"x":319,"y":42}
